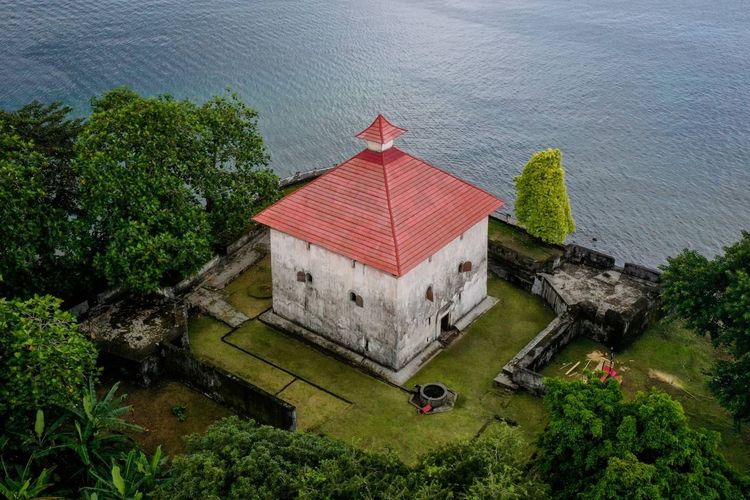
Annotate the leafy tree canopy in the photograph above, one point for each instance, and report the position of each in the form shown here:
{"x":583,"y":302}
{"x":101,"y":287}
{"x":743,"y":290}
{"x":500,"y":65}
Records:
{"x":41,"y":250}
{"x":52,"y":133}
{"x":713,"y":297}
{"x":599,"y":446}
{"x":238,"y":459}
{"x":542,"y":204}
{"x":162,"y":181}
{"x":46,"y":360}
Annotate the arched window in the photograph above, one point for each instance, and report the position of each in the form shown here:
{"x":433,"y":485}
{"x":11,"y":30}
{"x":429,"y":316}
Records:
{"x":464,"y":267}
{"x":352,"y":296}
{"x":301,"y":276}
{"x":429,"y":295}
{"x":308,"y":277}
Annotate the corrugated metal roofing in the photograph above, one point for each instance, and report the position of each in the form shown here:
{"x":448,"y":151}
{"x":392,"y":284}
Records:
{"x":380,"y":131}
{"x":388,"y":210}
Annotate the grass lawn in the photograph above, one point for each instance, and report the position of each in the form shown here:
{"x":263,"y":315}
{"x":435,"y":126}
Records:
{"x":250,"y":292}
{"x":152,"y":410}
{"x":671,"y":358}
{"x":205,"y":335}
{"x":336,"y":399}
{"x":515,"y":239}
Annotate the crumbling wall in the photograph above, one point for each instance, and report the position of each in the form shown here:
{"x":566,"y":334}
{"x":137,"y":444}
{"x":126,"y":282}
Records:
{"x":522,"y":370}
{"x":577,"y":254}
{"x":223,"y":387}
{"x":519,"y":269}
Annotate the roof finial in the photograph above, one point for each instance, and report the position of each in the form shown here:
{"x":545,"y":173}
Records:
{"x":380,"y":134}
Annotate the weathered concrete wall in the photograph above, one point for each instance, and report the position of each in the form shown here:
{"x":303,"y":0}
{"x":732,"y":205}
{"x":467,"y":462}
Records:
{"x":248,"y":400}
{"x":642,"y":272}
{"x":324,"y":305}
{"x":454,"y":293}
{"x":516,"y":268}
{"x":617,"y":329}
{"x":593,"y":258}
{"x":547,"y":292}
{"x":396,"y":321}
{"x":523,"y":369}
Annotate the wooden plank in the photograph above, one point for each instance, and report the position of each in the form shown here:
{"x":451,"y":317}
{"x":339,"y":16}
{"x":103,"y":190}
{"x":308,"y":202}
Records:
{"x":572,"y":368}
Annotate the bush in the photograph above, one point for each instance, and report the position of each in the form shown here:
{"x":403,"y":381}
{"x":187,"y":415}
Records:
{"x":46,"y":359}
{"x":597,"y":445}
{"x":542,"y":204}
{"x":239,"y":459}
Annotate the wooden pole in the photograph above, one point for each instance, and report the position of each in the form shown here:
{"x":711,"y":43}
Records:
{"x":572,"y":368}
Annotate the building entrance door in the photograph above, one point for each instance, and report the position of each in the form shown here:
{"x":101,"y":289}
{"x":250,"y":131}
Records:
{"x":445,"y":323}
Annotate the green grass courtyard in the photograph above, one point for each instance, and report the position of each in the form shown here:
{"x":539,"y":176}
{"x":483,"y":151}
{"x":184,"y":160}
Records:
{"x":339,"y":400}
{"x":336,"y":399}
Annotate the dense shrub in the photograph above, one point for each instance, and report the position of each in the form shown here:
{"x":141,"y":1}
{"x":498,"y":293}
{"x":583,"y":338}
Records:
{"x":239,"y":459}
{"x":713,"y":297}
{"x":542,"y":204}
{"x":46,"y":359}
{"x":598,"y":445}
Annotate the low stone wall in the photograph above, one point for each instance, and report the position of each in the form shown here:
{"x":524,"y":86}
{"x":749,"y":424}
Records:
{"x":522,"y":370}
{"x":223,"y":387}
{"x":521,"y":270}
{"x":616,"y":329}
{"x":530,"y":380}
{"x":586,"y":256}
{"x":642,"y":272}
{"x":544,"y":289}
{"x":516,"y":268}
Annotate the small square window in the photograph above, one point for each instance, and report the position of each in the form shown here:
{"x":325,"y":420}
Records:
{"x":308,"y":245}
{"x":301,"y":276}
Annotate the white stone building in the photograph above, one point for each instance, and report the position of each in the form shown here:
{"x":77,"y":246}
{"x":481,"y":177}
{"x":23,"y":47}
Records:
{"x":380,"y":255}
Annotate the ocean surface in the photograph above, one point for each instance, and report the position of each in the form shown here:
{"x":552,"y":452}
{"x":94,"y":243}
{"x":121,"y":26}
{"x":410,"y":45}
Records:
{"x":649,"y":101}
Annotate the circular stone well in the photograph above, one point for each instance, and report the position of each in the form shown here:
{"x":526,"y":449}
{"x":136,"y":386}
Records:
{"x":434,"y":394}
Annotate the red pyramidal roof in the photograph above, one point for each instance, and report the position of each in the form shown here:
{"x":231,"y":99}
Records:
{"x":386,"y":209}
{"x":380,"y":131}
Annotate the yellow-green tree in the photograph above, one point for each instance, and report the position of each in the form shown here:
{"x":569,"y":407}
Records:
{"x":542,"y":204}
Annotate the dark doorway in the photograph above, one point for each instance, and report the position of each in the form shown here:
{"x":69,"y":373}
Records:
{"x":445,"y":324}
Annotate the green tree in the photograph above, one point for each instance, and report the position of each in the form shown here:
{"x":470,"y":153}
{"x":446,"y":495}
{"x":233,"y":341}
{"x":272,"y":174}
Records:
{"x":599,"y":446}
{"x":46,"y":360}
{"x":713,"y":297}
{"x":239,"y":459}
{"x":24,"y":227}
{"x":236,"y":183}
{"x":542,"y":204}
{"x":164,"y":180}
{"x":491,"y":466}
{"x":41,"y":250}
{"x":51,"y":133}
